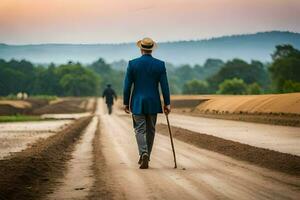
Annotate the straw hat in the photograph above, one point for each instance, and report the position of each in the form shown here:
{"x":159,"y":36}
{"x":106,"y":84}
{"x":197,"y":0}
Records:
{"x":146,"y":44}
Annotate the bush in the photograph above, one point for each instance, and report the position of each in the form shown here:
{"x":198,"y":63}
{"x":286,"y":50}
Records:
{"x":233,"y":86}
{"x":9,"y":97}
{"x":195,"y":87}
{"x":291,"y":86}
{"x":254,"y":88}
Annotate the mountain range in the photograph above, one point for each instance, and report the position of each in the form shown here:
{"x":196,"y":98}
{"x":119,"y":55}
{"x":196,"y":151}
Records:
{"x":257,"y":46}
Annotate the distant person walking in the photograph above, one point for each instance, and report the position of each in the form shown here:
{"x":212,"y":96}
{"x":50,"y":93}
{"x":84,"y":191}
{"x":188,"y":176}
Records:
{"x":109,"y":94}
{"x":143,"y":101}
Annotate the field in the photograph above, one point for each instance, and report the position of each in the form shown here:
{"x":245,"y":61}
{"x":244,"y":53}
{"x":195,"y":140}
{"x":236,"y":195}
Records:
{"x":78,"y":151}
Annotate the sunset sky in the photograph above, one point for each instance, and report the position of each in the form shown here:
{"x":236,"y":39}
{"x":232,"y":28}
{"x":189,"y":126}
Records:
{"x":115,"y":21}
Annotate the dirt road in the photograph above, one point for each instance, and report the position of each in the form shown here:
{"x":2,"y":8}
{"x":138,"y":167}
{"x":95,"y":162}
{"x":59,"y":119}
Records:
{"x":201,"y":174}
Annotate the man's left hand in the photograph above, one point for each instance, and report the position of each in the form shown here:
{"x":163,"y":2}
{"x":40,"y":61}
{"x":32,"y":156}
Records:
{"x":167,"y":109}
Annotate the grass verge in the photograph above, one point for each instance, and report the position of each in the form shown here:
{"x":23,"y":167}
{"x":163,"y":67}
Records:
{"x":35,"y":97}
{"x":19,"y":118}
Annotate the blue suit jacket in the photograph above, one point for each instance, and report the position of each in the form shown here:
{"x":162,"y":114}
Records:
{"x":145,"y":74}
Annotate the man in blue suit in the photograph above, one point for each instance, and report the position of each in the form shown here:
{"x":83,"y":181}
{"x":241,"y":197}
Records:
{"x":142,"y":98}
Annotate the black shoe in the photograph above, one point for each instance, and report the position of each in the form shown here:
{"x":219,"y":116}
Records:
{"x":140,"y":160}
{"x":145,"y":160}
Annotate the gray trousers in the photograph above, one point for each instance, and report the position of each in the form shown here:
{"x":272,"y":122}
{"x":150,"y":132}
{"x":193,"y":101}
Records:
{"x":144,"y":128}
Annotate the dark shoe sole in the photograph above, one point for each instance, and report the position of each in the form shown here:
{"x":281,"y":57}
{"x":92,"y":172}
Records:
{"x":145,"y":160}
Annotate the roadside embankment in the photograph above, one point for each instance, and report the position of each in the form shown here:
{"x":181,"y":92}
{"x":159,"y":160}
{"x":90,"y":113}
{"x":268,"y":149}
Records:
{"x":44,"y":106}
{"x":13,"y":107}
{"x":67,"y":105}
{"x":281,"y":109}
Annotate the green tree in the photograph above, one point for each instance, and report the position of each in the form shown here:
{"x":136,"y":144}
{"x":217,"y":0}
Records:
{"x":185,"y":73}
{"x":254,"y":88}
{"x":47,"y":81}
{"x":76,"y":80}
{"x":16,"y":76}
{"x":179,"y":75}
{"x":211,"y":67}
{"x":291,"y":86}
{"x":195,"y":87}
{"x":75,"y":85}
{"x":175,"y":83}
{"x":101,"y":67}
{"x":108,"y":75}
{"x":233,"y":86}
{"x":250,"y":73}
{"x":285,"y":66}
{"x":67,"y":79}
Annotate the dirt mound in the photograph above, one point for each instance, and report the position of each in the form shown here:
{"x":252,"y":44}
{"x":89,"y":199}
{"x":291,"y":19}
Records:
{"x":16,"y":103}
{"x":274,"y":118}
{"x":252,"y":104}
{"x":278,"y":109}
{"x":13,"y":107}
{"x":37,"y":103}
{"x":270,"y":159}
{"x":186,"y":103}
{"x":69,"y":105}
{"x":28,"y":174}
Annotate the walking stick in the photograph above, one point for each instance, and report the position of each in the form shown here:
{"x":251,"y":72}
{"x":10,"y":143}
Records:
{"x":171,"y":138}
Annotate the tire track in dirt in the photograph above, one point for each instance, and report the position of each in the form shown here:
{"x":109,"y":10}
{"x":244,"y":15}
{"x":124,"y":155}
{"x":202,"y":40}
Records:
{"x":79,"y":176}
{"x":103,"y":183}
{"x":121,"y":156}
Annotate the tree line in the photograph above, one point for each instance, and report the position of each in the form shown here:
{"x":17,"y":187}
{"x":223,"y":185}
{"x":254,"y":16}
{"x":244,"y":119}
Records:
{"x":236,"y":76}
{"x":71,"y":79}
{"x":215,"y":76}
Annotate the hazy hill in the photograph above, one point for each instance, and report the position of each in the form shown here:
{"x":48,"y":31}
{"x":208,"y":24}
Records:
{"x":257,"y":46}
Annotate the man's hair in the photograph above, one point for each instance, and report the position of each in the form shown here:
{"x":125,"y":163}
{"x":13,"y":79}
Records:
{"x":147,"y":51}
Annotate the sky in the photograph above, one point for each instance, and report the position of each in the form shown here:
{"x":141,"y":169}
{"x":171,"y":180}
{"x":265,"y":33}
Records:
{"x":118,"y":21}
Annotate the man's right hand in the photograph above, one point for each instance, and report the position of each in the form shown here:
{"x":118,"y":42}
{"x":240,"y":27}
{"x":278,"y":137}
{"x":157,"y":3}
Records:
{"x":167,"y":109}
{"x":126,"y":109}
